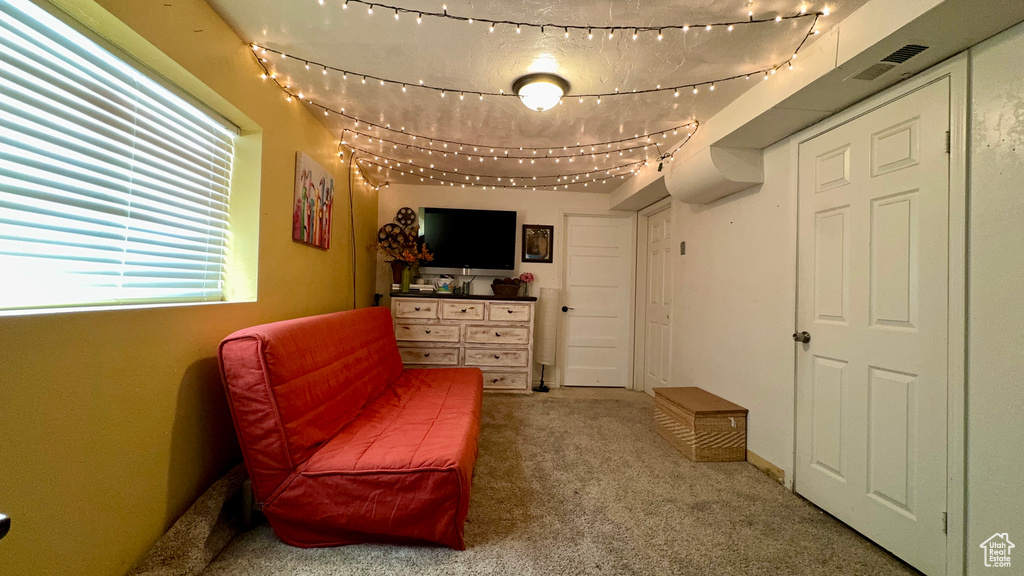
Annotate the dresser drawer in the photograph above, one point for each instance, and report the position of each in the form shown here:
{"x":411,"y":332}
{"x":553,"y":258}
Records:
{"x":426,"y":333}
{"x":430,"y":356}
{"x":506,"y":381}
{"x":462,"y":310}
{"x":496,"y":357}
{"x":415,"y":308}
{"x":497,"y":334}
{"x":504,"y":312}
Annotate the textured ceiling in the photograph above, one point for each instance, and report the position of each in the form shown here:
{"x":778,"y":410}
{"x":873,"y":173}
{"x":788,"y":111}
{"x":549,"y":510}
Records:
{"x":468,"y":57}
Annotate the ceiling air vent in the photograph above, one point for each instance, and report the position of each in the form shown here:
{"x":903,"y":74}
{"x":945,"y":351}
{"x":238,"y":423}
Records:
{"x":906,"y":53}
{"x":889,"y":62}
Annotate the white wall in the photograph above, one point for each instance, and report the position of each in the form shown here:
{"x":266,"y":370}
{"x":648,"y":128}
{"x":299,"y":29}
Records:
{"x":734,"y":304}
{"x":534,"y":207}
{"x":995,"y":391}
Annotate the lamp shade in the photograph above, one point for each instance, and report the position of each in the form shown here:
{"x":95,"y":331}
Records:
{"x":546,"y":327}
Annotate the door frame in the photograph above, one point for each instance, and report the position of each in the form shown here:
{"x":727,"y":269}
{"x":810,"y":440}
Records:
{"x":563,"y":341}
{"x":639,"y":327}
{"x":956,"y":69}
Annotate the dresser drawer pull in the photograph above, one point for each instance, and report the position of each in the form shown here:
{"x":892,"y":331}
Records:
{"x":495,"y":381}
{"x":496,"y":356}
{"x":417,"y":308}
{"x":426,"y":355}
{"x":497,"y":334}
{"x":427,"y":330}
{"x":509,"y":311}
{"x":464,"y":309}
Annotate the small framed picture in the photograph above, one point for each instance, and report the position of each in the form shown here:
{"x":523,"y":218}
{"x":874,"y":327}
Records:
{"x":538,"y":243}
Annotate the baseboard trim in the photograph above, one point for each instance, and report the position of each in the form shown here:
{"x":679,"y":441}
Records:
{"x":770,"y":470}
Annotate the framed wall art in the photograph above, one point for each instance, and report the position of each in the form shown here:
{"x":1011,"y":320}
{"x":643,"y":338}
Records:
{"x":313,"y":202}
{"x":538,"y":243}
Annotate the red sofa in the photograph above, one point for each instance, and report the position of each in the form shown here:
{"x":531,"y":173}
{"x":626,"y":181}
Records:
{"x":342,"y":444}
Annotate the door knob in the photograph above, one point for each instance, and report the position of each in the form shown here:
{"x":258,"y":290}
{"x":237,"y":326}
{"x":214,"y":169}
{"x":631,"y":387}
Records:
{"x":5,"y":525}
{"x":566,"y":308}
{"x":802,"y":337}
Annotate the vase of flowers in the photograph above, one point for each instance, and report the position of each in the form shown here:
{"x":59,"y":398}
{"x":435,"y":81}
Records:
{"x":402,"y":252}
{"x":524,"y":280}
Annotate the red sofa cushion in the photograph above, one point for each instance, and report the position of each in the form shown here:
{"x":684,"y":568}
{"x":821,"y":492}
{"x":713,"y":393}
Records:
{"x":400,"y":472}
{"x":293,"y":385}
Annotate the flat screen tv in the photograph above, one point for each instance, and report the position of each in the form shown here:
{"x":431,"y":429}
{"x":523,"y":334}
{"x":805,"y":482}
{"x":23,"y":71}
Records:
{"x":469,"y":242}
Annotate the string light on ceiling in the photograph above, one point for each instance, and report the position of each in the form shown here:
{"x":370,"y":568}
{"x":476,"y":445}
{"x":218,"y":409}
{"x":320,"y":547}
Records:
{"x":483,"y":152}
{"x":596,"y":175}
{"x":504,"y":149}
{"x":586,"y":30}
{"x":260,"y":52}
{"x":263,"y":56}
{"x":390,"y":161}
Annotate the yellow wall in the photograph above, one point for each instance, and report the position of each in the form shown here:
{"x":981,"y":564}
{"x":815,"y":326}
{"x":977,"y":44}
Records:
{"x":113,"y":422}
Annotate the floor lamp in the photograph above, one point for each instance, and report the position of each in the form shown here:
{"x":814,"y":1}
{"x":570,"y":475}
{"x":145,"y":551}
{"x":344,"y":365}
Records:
{"x":547,"y":329}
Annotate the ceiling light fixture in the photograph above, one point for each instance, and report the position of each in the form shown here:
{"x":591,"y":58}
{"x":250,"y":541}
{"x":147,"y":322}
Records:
{"x":540,"y":92}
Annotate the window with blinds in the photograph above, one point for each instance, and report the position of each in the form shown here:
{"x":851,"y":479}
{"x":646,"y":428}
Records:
{"x":113,"y":190}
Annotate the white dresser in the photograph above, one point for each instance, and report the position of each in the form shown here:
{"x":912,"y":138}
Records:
{"x":491,"y":334}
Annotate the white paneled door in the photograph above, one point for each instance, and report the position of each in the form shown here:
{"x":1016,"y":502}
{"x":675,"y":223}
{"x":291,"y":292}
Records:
{"x":873,"y":276}
{"x":658,"y":302}
{"x":598,"y":300}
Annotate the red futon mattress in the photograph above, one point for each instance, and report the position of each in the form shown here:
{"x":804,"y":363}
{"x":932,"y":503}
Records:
{"x":342,"y":444}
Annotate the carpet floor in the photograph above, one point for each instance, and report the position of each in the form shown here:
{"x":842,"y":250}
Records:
{"x":580,"y":482}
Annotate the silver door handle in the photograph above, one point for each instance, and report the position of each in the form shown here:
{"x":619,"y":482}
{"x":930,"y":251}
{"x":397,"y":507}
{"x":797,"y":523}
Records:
{"x":5,"y":525}
{"x":802,"y":337}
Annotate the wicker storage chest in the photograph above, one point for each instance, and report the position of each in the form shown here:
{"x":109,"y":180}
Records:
{"x":704,"y":427}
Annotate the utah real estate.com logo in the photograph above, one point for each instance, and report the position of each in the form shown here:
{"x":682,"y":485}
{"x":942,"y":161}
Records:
{"x":997,"y":550}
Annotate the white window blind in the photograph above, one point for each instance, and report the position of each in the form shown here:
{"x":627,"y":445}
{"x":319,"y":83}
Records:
{"x":113,"y":190}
